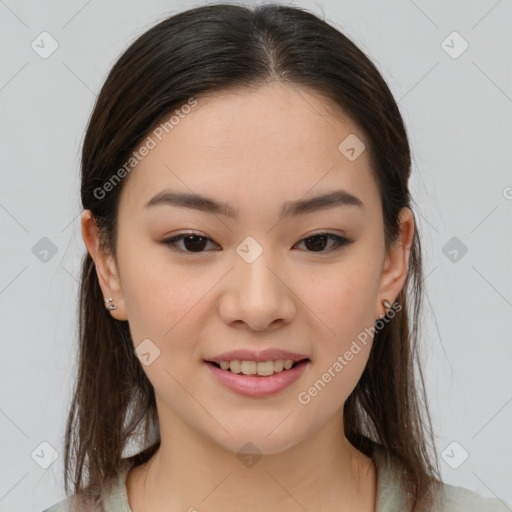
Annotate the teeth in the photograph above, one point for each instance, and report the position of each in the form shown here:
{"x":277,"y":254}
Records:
{"x":249,"y":367}
{"x":263,"y":368}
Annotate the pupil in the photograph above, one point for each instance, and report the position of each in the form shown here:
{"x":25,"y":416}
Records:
{"x":317,"y":237}
{"x":196,"y":245}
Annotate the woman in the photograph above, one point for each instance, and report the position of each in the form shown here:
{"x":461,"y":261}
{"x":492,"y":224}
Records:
{"x":252,"y":286}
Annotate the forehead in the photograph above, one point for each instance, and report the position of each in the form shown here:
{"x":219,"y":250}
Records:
{"x":277,"y":141}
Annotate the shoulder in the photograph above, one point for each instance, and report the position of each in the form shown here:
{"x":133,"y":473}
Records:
{"x":460,"y":499}
{"x":116,"y":500}
{"x":61,"y":506}
{"x":451,"y":498}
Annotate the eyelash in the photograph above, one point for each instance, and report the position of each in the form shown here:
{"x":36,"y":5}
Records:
{"x":340,"y":241}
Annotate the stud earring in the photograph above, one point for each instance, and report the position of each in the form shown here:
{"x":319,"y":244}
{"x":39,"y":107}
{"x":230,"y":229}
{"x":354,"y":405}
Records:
{"x":109,"y":306}
{"x":387,"y":305}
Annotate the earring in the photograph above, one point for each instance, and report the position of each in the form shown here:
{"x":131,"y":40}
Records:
{"x":387,"y":305}
{"x":110,"y":307}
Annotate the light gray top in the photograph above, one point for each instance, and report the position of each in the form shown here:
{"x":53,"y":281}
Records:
{"x":389,"y":497}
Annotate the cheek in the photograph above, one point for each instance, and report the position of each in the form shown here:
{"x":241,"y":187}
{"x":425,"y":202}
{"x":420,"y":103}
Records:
{"x":160,"y":297}
{"x":344,"y":312}
{"x":343,"y":302}
{"x":331,"y":384}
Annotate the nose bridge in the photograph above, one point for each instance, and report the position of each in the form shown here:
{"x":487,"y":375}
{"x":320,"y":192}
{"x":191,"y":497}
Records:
{"x":252,"y":266}
{"x":258,"y":296}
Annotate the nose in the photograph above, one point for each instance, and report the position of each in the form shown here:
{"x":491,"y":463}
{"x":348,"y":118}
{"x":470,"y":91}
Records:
{"x":258,"y":294}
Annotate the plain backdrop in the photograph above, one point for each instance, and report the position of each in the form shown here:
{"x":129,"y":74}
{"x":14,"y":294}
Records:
{"x":449,"y":66}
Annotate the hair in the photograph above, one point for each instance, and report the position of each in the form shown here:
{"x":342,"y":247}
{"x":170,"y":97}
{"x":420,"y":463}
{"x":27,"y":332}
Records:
{"x":204,"y":50}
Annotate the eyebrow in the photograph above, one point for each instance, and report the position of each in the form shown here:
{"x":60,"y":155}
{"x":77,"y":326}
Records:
{"x":336,"y":198}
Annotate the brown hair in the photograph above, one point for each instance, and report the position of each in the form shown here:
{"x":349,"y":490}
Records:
{"x":207,"y":49}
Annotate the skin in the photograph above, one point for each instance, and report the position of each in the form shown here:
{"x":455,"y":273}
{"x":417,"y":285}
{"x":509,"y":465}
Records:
{"x":254,"y":150}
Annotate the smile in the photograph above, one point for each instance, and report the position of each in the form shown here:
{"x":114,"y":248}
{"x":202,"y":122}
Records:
{"x":262,"y":368}
{"x":243,"y":377}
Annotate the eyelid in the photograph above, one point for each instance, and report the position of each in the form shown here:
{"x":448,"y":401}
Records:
{"x":341,"y":241}
{"x":172,"y":241}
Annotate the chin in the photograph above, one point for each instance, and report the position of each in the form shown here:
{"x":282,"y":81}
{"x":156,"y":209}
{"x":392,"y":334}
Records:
{"x":257,"y":441}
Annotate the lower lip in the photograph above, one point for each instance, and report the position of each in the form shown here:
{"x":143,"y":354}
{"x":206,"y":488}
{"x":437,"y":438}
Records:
{"x":255,"y":385}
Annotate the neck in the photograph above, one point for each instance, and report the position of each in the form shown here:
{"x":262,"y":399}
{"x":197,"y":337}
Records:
{"x":190,"y":472}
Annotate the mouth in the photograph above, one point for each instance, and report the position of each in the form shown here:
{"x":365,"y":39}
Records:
{"x":257,"y":379}
{"x":258,"y":369}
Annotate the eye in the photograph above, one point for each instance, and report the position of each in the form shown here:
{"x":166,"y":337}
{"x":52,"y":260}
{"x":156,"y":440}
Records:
{"x":195,"y":242}
{"x":319,"y":241}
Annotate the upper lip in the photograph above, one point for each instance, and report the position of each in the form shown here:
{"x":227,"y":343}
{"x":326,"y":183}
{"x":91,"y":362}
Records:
{"x":270,"y":354}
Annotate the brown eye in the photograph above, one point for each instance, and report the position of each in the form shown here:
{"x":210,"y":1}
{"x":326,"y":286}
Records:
{"x":193,"y":242}
{"x":196,"y":243}
{"x":318,"y":242}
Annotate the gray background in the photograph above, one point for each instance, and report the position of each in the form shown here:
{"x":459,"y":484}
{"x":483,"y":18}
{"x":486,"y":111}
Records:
{"x":458,"y":112}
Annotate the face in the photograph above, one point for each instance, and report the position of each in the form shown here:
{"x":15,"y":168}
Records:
{"x":308,"y":282}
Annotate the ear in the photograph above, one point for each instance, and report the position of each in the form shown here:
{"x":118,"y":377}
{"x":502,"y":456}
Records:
{"x":106,"y":269}
{"x":394,"y":270}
